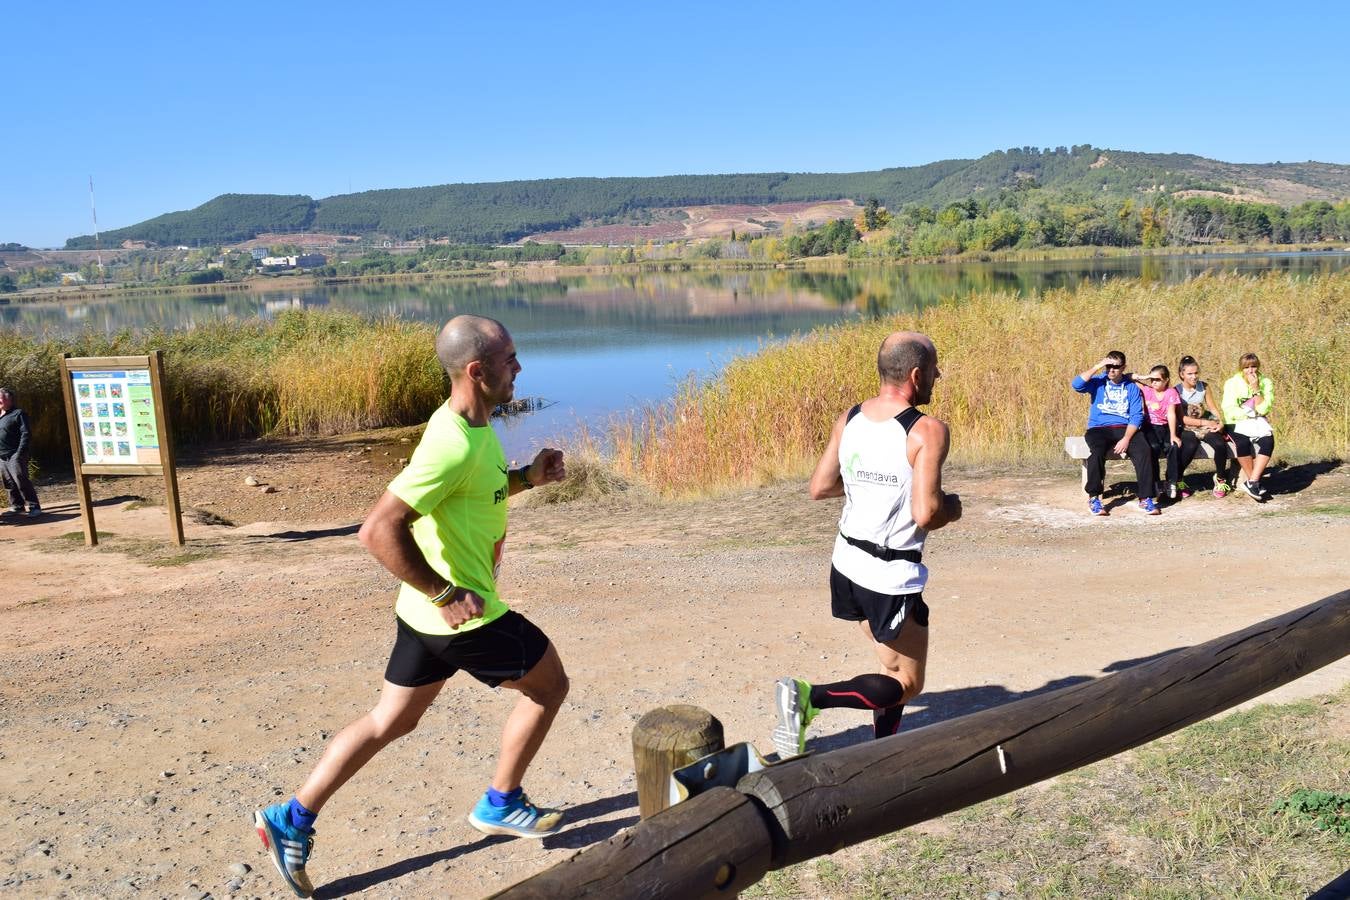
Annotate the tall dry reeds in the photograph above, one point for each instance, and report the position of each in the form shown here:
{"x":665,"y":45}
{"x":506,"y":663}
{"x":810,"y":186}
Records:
{"x":304,"y":372}
{"x":1006,"y":363}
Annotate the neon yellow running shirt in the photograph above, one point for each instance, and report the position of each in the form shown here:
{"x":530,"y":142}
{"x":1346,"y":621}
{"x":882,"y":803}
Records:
{"x":456,"y":479}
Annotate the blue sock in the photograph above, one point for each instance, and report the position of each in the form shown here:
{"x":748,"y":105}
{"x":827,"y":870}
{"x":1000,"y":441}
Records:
{"x":300,"y":817}
{"x":497,"y":798}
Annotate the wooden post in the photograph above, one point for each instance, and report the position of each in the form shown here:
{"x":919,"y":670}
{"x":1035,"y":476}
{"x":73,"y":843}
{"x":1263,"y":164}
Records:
{"x":77,"y":459}
{"x":166,"y":447}
{"x":664,"y":740}
{"x":715,"y":844}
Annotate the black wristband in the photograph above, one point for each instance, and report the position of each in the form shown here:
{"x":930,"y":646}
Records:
{"x":525,"y":478}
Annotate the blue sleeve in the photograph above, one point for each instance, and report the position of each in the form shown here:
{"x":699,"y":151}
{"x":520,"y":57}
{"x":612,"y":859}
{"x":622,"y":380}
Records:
{"x":1081,"y":386}
{"x":1136,"y":406}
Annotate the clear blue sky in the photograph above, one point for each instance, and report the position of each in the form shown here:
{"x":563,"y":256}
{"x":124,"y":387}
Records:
{"x":168,"y":105}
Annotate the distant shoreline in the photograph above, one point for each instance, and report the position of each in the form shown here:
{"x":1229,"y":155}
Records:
{"x":537,"y":271}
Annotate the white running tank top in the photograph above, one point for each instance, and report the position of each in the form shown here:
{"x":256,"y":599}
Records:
{"x":874,"y":464}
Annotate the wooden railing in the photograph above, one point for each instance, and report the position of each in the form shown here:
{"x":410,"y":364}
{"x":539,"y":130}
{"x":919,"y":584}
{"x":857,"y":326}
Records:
{"x":721,"y":842}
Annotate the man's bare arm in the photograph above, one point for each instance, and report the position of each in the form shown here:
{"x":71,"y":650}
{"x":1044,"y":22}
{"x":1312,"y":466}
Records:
{"x":930,"y":507}
{"x":387,"y":534}
{"x":826,"y":480}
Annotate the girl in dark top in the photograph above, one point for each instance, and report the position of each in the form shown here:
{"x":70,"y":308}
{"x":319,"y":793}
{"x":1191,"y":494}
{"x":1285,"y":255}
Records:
{"x":1201,"y":421}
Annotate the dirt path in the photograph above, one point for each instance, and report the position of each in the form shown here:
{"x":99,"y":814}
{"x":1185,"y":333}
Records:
{"x":148,"y":708}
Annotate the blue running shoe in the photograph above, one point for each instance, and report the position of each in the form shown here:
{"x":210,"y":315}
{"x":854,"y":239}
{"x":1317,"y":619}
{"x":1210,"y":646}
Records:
{"x":519,"y":818}
{"x":1095,"y":507}
{"x":288,"y":846}
{"x":792,"y":697}
{"x":1149,"y":507}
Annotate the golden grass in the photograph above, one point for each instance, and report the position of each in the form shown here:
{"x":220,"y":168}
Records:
{"x":304,"y":372}
{"x":1006,"y":363}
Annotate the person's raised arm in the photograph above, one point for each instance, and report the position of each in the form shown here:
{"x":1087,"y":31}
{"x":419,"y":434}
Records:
{"x":826,"y":480}
{"x":930,"y":507}
{"x":386,"y":534}
{"x":1266,"y":391}
{"x":548,"y":467}
{"x":1080,"y":381}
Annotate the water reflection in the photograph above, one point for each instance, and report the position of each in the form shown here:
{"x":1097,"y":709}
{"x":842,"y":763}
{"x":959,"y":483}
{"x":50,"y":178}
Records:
{"x":754,"y":302}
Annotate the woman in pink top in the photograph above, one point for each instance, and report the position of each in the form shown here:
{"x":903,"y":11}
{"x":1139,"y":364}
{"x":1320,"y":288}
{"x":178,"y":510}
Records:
{"x":1160,"y":402}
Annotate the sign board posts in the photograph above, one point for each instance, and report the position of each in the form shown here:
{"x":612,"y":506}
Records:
{"x":118,"y":426}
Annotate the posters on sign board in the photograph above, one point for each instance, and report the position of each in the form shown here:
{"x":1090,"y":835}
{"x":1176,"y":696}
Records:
{"x":117,"y":404}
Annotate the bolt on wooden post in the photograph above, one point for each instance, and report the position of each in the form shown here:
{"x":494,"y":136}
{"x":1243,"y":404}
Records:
{"x":667,"y":739}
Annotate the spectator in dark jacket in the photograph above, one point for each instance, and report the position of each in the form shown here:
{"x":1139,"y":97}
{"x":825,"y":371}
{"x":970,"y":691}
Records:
{"x":14,"y":455}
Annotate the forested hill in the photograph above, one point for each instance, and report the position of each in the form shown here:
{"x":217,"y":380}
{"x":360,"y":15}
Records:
{"x":500,"y":212}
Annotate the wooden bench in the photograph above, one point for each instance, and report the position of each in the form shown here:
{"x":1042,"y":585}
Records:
{"x":1076,"y":448}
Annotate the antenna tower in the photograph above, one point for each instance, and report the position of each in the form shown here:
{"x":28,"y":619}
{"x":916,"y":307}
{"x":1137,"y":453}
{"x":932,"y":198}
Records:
{"x":98,"y":252}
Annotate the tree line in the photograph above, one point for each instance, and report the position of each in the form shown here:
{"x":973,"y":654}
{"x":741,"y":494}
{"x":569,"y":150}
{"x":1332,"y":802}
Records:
{"x":1033,"y":219}
{"x":503,"y":212}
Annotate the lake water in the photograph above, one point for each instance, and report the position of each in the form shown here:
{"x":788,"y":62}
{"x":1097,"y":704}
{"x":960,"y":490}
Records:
{"x":599,"y":347}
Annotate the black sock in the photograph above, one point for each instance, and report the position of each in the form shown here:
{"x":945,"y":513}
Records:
{"x":886,"y":722}
{"x":864,"y":692}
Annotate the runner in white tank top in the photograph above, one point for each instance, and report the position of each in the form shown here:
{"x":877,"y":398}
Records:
{"x":885,"y":458}
{"x":877,"y":513}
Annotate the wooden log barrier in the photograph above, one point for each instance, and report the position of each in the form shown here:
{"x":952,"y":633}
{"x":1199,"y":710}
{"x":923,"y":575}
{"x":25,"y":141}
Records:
{"x":715,"y":844}
{"x":823,"y":803}
{"x":667,"y":739}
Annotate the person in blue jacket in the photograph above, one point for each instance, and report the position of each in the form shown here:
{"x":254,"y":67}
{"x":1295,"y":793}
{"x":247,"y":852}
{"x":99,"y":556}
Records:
{"x":1114,"y":421}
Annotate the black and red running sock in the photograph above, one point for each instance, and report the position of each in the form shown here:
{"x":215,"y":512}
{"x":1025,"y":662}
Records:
{"x":886,"y":722}
{"x":875,"y":692}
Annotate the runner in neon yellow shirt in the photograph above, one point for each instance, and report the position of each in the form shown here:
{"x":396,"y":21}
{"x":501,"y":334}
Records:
{"x":457,"y":481}
{"x":439,"y":528}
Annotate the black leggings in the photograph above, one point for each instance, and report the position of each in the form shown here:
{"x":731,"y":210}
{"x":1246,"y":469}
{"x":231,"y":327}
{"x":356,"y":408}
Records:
{"x":1160,"y":442}
{"x":1190,"y":445}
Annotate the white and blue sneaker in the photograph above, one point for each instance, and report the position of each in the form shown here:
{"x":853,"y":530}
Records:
{"x":518,"y":818}
{"x":288,"y":846}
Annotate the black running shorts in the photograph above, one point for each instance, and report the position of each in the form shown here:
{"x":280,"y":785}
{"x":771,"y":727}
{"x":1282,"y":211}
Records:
{"x":1245,"y":446}
{"x":886,"y":613}
{"x":502,"y":650}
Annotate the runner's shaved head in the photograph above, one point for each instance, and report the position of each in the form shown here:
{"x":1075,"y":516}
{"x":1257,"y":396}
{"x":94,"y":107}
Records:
{"x":465,"y":339}
{"x":902,"y":353}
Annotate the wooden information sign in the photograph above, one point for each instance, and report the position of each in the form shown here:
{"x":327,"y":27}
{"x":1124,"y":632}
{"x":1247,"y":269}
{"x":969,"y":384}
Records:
{"x":119,"y":426}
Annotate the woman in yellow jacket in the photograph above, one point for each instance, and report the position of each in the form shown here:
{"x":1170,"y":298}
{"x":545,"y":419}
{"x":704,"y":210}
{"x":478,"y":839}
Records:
{"x":1247,"y":398}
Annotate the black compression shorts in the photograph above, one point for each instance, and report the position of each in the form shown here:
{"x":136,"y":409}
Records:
{"x":502,"y":650}
{"x":1245,"y":446}
{"x":885,"y":613}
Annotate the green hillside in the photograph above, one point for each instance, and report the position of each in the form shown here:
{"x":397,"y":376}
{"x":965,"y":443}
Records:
{"x":505,"y":211}
{"x":227,"y":219}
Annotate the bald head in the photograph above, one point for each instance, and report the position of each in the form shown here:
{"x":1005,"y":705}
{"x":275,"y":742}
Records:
{"x":902,"y":353}
{"x":465,"y":339}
